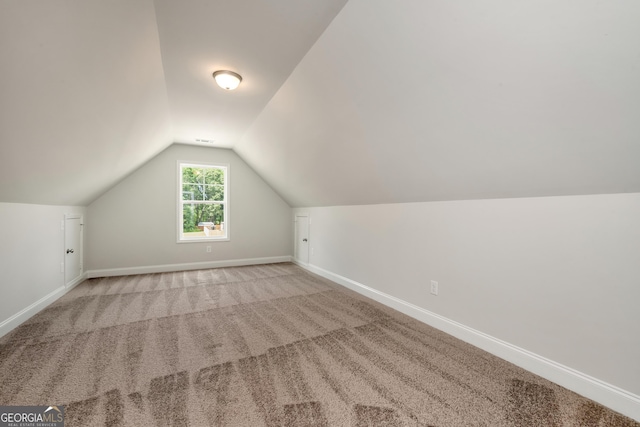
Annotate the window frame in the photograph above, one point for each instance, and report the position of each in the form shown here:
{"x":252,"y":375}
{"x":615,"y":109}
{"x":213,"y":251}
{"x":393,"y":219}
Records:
{"x":180,"y":202}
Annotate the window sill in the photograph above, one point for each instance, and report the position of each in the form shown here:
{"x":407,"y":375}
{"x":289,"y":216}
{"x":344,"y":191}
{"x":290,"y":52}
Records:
{"x":204,"y":239}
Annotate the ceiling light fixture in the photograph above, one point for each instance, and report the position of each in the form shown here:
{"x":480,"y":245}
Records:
{"x":227,"y":79}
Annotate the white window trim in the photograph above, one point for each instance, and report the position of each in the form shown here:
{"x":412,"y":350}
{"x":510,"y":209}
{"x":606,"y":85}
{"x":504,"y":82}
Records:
{"x":179,"y":238}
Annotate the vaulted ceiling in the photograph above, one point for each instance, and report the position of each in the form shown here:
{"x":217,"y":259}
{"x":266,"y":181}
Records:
{"x":365,"y":101}
{"x":91,"y":90}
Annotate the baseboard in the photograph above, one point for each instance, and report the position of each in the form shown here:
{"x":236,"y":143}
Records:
{"x":23,"y":315}
{"x":599,"y":391}
{"x":76,"y":282}
{"x":165,"y":268}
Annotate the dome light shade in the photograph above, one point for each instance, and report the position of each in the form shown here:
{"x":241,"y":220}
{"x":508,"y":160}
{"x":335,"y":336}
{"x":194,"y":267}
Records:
{"x":227,"y":79}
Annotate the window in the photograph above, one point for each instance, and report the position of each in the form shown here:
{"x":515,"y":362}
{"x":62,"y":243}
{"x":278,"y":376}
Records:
{"x":203,"y":202}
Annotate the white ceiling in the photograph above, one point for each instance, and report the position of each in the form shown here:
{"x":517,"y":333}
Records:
{"x":91,"y":90}
{"x":83,"y":99}
{"x":263,"y":41}
{"x":374,"y":101}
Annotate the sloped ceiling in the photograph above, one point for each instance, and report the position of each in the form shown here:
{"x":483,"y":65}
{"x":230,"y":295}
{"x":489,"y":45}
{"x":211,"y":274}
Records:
{"x":83,"y":99}
{"x":263,"y":41}
{"x":370,"y":101}
{"x":91,"y":90}
{"x":409,"y":101}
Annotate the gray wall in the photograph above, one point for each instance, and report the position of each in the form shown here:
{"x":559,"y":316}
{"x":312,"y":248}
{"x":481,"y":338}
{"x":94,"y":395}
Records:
{"x":557,"y":276}
{"x":31,"y":251}
{"x":134,"y":223}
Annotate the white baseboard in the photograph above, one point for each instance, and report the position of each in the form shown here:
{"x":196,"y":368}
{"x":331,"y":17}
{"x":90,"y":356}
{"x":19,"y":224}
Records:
{"x":599,"y":391}
{"x":23,"y":315}
{"x":165,"y":268}
{"x":76,"y":282}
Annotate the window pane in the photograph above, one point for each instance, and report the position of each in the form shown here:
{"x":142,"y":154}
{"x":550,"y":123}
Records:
{"x":192,"y":192}
{"x":214,"y":176}
{"x":211,"y":213}
{"x":214,"y":193}
{"x":189,"y":192}
{"x":218,"y":214}
{"x":203,"y":220}
{"x":189,"y":220}
{"x":192,"y":175}
{"x":194,"y":215}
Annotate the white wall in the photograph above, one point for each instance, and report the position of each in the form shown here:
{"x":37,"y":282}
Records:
{"x":557,"y":276}
{"x":31,"y":251}
{"x":134,"y":224}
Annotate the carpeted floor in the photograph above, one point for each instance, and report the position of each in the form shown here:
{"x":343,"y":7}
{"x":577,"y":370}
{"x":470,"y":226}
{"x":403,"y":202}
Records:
{"x":263,"y":345}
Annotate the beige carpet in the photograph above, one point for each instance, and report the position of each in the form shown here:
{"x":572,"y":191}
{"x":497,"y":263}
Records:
{"x":264,"y":345}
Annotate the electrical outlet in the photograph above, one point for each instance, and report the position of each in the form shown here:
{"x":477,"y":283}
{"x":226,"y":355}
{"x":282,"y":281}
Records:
{"x":434,"y":287}
{"x":208,"y":248}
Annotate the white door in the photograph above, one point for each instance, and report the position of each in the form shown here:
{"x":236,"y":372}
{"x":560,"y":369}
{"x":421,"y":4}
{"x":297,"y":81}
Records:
{"x":302,"y":239}
{"x":72,"y":249}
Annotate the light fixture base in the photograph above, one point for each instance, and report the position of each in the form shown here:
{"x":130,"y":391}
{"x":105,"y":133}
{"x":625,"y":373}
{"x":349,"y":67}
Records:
{"x":226,"y":79}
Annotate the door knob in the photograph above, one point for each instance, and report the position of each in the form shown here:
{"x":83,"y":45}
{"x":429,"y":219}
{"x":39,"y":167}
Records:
{"x":69,"y":251}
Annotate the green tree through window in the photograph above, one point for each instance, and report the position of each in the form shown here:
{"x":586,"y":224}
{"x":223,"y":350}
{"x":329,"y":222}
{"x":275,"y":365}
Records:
{"x":203,"y":202}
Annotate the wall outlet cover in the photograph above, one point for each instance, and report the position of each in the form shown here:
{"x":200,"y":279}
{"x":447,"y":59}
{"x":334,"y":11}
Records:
{"x":434,"y":287}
